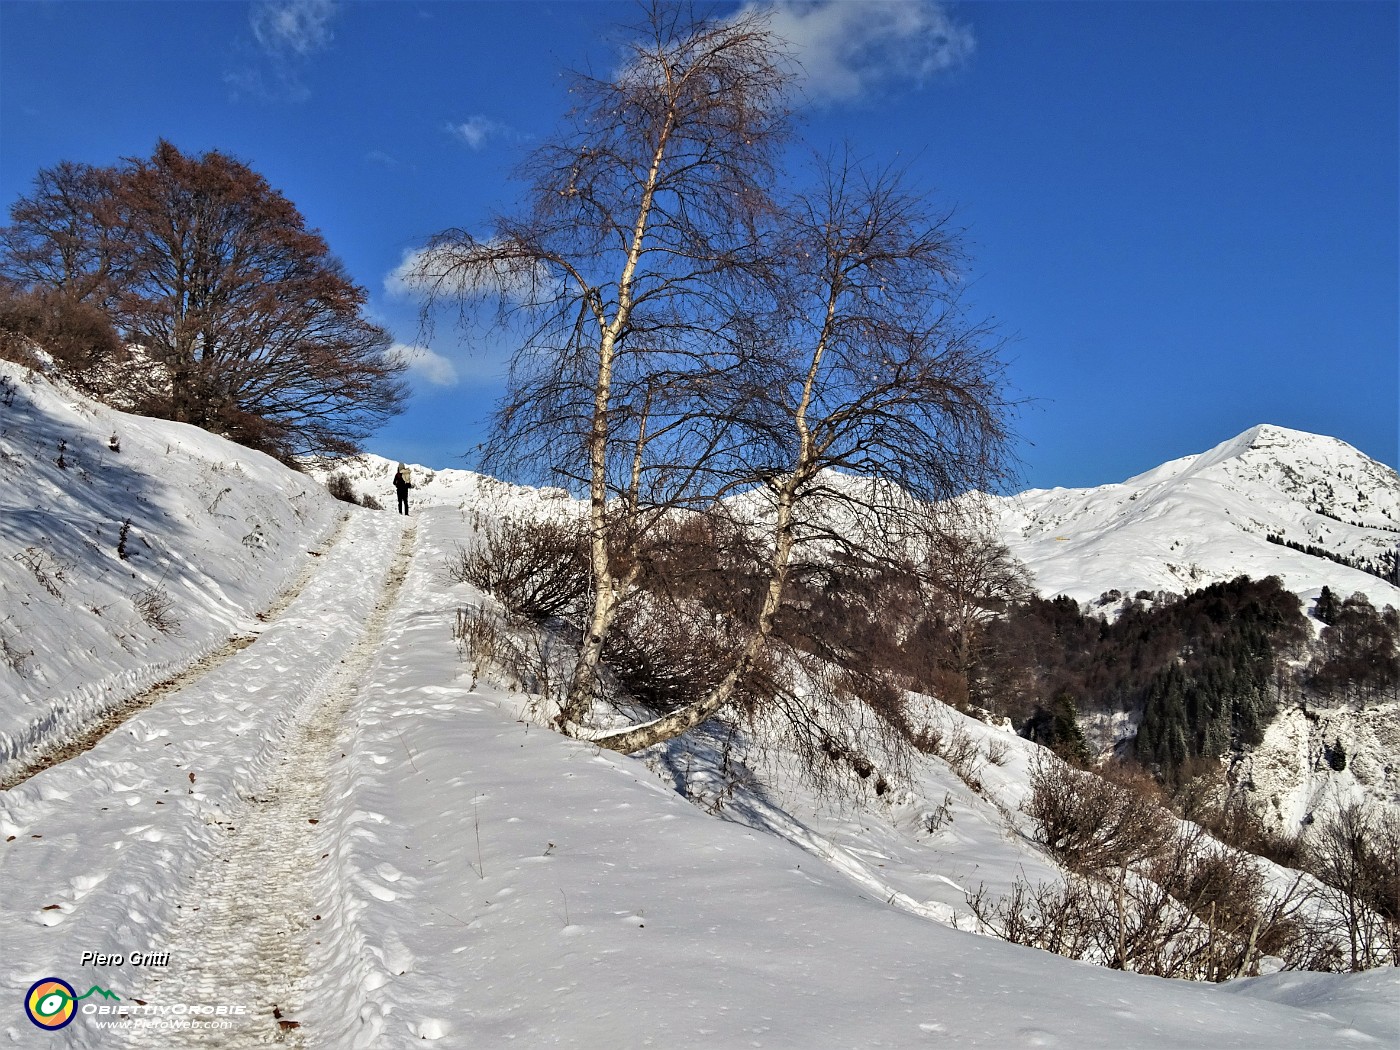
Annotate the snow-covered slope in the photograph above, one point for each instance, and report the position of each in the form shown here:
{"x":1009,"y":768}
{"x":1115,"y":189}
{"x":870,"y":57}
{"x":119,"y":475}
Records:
{"x":1205,"y":518}
{"x":1181,"y":526}
{"x":371,"y":475}
{"x":104,"y":515}
{"x":341,"y":837}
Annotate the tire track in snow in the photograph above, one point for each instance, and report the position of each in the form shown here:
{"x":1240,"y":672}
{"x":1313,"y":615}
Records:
{"x":242,"y":930}
{"x":61,"y":751}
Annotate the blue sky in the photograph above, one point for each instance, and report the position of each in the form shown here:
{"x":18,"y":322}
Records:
{"x":1183,"y":215}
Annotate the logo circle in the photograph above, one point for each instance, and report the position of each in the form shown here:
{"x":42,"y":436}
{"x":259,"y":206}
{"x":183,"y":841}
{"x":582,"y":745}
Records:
{"x":50,"y":1003}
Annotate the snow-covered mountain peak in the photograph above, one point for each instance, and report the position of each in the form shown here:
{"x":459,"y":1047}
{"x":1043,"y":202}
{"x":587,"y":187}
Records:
{"x":1270,"y":501}
{"x":1325,"y":474}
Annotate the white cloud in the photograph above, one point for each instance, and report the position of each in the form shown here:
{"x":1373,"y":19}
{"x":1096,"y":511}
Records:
{"x":292,"y":27}
{"x":849,"y":50}
{"x":425,"y":363}
{"x":286,"y":33}
{"x":475,"y":130}
{"x":408,"y":278}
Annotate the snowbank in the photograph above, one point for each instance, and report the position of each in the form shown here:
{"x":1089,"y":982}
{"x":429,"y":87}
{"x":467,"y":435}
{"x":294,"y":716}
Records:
{"x":128,"y":548}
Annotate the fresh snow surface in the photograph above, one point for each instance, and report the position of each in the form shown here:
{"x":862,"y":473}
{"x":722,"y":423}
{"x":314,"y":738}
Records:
{"x":345,"y":837}
{"x":1206,"y":518}
{"x":220,"y":530}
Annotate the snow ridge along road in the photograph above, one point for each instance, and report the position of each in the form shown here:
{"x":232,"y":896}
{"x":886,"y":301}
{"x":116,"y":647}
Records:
{"x":61,"y":750}
{"x":171,"y":795}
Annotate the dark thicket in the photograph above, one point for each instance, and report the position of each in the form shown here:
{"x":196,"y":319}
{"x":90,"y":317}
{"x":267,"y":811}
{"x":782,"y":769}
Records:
{"x":1058,"y":729}
{"x":1360,"y":657}
{"x":1386,"y":564}
{"x":76,"y":334}
{"x":1200,"y":672}
{"x":1326,"y":608}
{"x":340,"y":486}
{"x":537,"y":569}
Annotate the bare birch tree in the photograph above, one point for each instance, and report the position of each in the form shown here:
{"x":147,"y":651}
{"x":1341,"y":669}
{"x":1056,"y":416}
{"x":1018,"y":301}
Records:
{"x":684,"y":337}
{"x":973,"y":577}
{"x":625,"y":275}
{"x":875,"y":398}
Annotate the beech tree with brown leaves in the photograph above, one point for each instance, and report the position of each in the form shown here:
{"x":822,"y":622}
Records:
{"x":241,"y":319}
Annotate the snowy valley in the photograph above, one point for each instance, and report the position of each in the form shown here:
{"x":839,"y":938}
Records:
{"x":312,"y":817}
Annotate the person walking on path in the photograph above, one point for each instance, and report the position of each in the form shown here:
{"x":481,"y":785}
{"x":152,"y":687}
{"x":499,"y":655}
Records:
{"x":401,"y":485}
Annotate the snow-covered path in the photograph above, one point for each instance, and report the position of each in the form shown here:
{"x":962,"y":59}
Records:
{"x":63,"y":749}
{"x":243,"y":922}
{"x":164,"y":831}
{"x":479,"y":880}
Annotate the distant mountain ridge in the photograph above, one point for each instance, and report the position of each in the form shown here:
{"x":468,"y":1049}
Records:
{"x":1242,"y":507}
{"x":1245,"y":506}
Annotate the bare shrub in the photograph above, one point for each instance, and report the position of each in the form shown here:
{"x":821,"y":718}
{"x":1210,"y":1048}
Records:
{"x":1196,"y":911}
{"x":1356,"y":856}
{"x":1232,"y":822}
{"x":536,"y":568}
{"x":157,"y":608}
{"x":1200,"y":791}
{"x":667,"y":654}
{"x":339,"y":486}
{"x":1144,"y":894}
{"x":45,"y":568}
{"x":1204,"y":796}
{"x":1132,"y":776}
{"x":959,"y":749}
{"x":12,"y":654}
{"x":941,"y":814}
{"x":928,"y":739}
{"x":844,"y":729}
{"x":1228,"y":893}
{"x":1352,"y":920}
{"x":22,"y":350}
{"x":998,"y":751}
{"x":511,"y":646}
{"x":1057,"y":919}
{"x":1089,"y":824}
